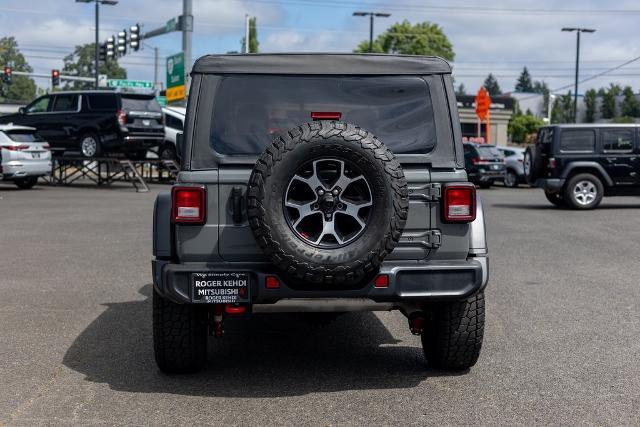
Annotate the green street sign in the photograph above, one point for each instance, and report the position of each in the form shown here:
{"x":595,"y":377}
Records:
{"x":121,"y":83}
{"x":175,"y":70}
{"x":171,"y":25}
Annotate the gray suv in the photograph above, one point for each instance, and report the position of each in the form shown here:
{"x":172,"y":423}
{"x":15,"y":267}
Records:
{"x":320,"y":183}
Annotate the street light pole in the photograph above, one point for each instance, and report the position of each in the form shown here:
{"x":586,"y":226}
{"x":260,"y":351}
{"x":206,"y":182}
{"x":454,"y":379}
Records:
{"x":97,"y":50}
{"x":97,"y":46}
{"x":575,"y":88}
{"x":371,"y":15}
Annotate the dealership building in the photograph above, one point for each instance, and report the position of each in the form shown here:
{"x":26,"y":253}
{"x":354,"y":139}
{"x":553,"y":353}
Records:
{"x":500,"y":112}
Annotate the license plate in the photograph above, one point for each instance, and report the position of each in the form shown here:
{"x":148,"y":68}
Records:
{"x":220,"y":288}
{"x":35,"y":155}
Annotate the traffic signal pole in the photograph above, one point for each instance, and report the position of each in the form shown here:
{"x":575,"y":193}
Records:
{"x":187,"y":29}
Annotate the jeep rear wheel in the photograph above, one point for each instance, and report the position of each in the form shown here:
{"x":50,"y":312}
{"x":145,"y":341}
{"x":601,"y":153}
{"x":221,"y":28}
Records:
{"x":179,"y":336}
{"x":583,"y":191}
{"x":453,"y":337}
{"x":327,"y":202}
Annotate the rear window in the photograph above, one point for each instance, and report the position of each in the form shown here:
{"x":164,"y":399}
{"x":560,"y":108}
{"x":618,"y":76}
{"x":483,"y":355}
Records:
{"x":250,"y":111}
{"x":488,"y":151}
{"x":23,"y":136}
{"x":577,"y":140}
{"x":103,"y":102}
{"x":140,"y":104}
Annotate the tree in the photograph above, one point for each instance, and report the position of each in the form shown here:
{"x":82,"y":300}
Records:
{"x":608,"y":106}
{"x":590,"y":103}
{"x":22,"y":88}
{"x":423,"y":38}
{"x":562,"y":111}
{"x":540,"y":87}
{"x":629,"y":107}
{"x":524,"y":83}
{"x":491,"y":85}
{"x":461,"y":91}
{"x":253,"y":36}
{"x":522,"y":125}
{"x":82,"y":63}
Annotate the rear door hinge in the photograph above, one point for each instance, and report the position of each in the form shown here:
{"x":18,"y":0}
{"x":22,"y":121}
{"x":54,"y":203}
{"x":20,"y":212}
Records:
{"x":434,"y":238}
{"x":429,"y":239}
{"x":429,"y":192}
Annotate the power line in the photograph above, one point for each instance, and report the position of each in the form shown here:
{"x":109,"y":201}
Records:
{"x":451,"y":9}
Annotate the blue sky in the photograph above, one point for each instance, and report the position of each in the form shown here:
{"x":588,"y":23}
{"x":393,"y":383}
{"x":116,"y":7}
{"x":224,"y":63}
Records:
{"x":501,"y":40}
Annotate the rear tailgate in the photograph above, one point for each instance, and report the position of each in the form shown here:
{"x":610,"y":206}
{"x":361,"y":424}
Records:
{"x":143,"y":115}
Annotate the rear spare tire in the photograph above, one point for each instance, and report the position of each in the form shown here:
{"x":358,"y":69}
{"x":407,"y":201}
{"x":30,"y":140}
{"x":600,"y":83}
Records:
{"x":532,"y":164}
{"x":327,"y":202}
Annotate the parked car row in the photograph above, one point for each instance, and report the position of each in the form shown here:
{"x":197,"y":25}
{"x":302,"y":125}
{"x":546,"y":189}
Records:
{"x":95,"y":123}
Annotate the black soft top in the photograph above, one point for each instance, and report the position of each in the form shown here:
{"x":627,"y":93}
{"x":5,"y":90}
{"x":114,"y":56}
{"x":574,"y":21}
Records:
{"x":321,"y":64}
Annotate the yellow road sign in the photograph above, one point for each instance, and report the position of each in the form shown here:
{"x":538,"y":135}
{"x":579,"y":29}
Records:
{"x":175,"y":93}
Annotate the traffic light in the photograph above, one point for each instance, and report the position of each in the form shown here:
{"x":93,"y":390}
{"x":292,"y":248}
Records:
{"x":6,"y":77}
{"x":55,"y":78}
{"x":122,"y":43}
{"x":111,"y":47}
{"x":103,"y":52}
{"x":134,"y":37}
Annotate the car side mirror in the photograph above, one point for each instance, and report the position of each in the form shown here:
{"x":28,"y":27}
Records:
{"x":21,"y":110}
{"x":179,"y":144}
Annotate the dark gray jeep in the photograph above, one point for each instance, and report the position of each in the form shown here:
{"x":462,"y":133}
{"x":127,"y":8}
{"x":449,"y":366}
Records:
{"x":320,"y":183}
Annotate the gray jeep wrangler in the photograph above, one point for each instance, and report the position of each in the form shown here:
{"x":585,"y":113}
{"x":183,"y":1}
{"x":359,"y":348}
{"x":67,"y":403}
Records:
{"x":320,"y":183}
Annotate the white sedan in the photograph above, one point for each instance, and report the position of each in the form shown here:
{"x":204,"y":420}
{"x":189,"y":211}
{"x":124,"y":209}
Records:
{"x":24,"y":155}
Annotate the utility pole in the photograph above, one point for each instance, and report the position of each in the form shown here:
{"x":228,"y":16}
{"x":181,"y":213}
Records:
{"x":245,"y":48}
{"x":155,"y":67}
{"x":575,"y":94}
{"x":371,"y":15}
{"x":187,"y":29}
{"x":97,"y":52}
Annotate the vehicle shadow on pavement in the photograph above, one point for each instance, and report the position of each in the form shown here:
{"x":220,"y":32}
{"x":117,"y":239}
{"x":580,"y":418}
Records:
{"x":263,"y":355}
{"x":554,"y":208}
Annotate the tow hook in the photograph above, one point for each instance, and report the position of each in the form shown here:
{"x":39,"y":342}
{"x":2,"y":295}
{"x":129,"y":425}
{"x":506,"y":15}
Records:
{"x":218,"y":326}
{"x":416,"y":322}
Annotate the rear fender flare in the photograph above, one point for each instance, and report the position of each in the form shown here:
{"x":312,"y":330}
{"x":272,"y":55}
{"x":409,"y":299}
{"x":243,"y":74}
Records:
{"x":587,"y":165}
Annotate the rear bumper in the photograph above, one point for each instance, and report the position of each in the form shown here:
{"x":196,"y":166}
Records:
{"x":136,"y":142}
{"x":488,"y":175}
{"x":408,"y":282}
{"x":20,"y":169}
{"x":553,"y":185}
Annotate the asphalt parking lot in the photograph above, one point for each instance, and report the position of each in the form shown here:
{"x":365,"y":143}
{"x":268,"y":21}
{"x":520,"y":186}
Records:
{"x":562,"y":343}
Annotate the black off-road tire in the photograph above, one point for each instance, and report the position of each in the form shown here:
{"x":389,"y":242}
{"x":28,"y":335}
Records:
{"x":556,"y":199}
{"x":453,"y":337}
{"x":301,"y":263}
{"x":179,"y":336}
{"x":571,"y":183}
{"x":534,"y":170}
{"x":26,"y":183}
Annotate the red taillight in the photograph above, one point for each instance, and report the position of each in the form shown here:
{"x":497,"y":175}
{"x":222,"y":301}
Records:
{"x":20,"y":147}
{"x":459,"y":203}
{"x":122,"y":117}
{"x":188,"y":205}
{"x":234,"y":309}
{"x":382,"y":281}
{"x":271,"y":282}
{"x":326,"y":115}
{"x":552,"y":163}
{"x":474,"y":160}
